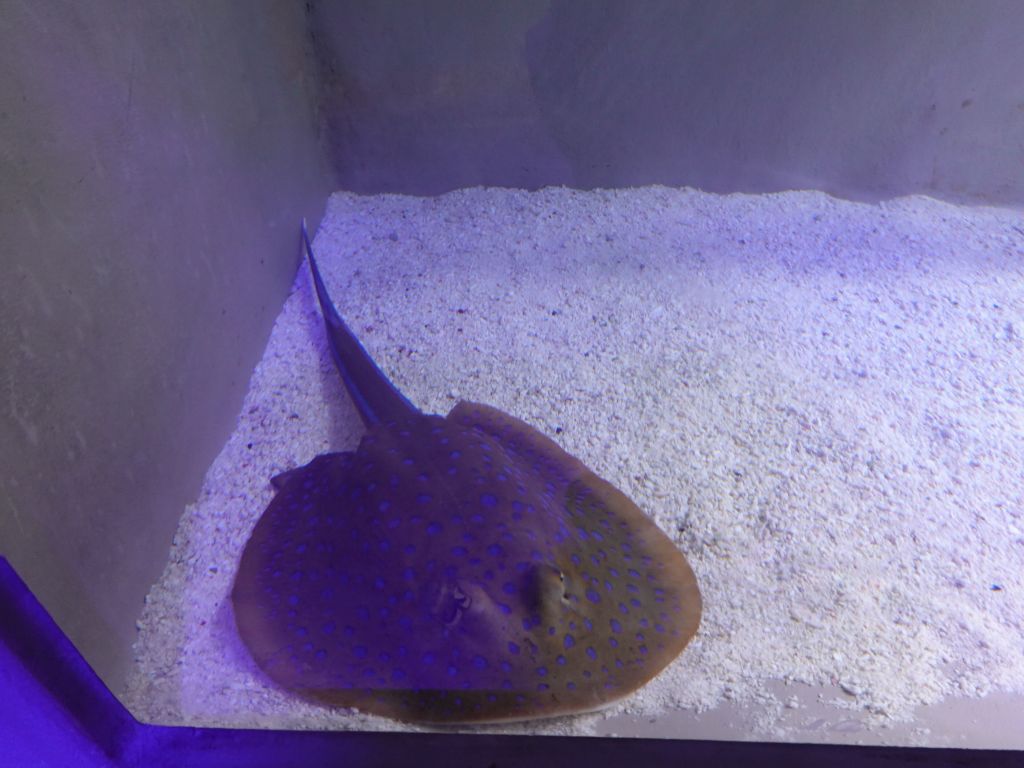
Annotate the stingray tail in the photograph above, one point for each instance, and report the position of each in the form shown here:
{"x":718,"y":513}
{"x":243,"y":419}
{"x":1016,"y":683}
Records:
{"x":375,"y":397}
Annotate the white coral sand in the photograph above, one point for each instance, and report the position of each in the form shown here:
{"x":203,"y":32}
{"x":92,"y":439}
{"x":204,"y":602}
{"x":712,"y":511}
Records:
{"x":821,"y":401}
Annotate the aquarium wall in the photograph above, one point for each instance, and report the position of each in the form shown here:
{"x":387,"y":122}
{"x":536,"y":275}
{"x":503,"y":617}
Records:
{"x":859,"y":98}
{"x":156,"y":160}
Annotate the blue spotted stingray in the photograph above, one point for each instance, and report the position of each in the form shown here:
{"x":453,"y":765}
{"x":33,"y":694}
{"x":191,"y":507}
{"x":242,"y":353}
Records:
{"x":455,"y":569}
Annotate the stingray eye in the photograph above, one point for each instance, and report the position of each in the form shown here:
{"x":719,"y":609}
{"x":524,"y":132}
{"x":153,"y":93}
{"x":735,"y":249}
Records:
{"x":451,"y":604}
{"x":543,"y":585}
{"x":565,"y":585}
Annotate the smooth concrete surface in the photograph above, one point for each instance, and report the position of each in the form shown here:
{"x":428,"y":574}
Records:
{"x":427,"y":96}
{"x":860,"y":98}
{"x":155,"y":161}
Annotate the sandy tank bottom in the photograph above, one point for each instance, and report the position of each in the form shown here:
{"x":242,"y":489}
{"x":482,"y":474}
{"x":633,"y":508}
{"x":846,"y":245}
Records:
{"x":820,"y":401}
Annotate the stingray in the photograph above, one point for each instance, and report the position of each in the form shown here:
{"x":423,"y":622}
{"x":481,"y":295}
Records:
{"x":455,"y":569}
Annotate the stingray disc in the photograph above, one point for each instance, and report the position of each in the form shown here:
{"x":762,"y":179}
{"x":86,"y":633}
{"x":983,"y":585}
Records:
{"x":460,"y":569}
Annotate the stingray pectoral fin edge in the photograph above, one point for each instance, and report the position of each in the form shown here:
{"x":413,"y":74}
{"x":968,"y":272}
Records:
{"x":547,"y":456}
{"x":670,"y":563}
{"x":589,"y":495}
